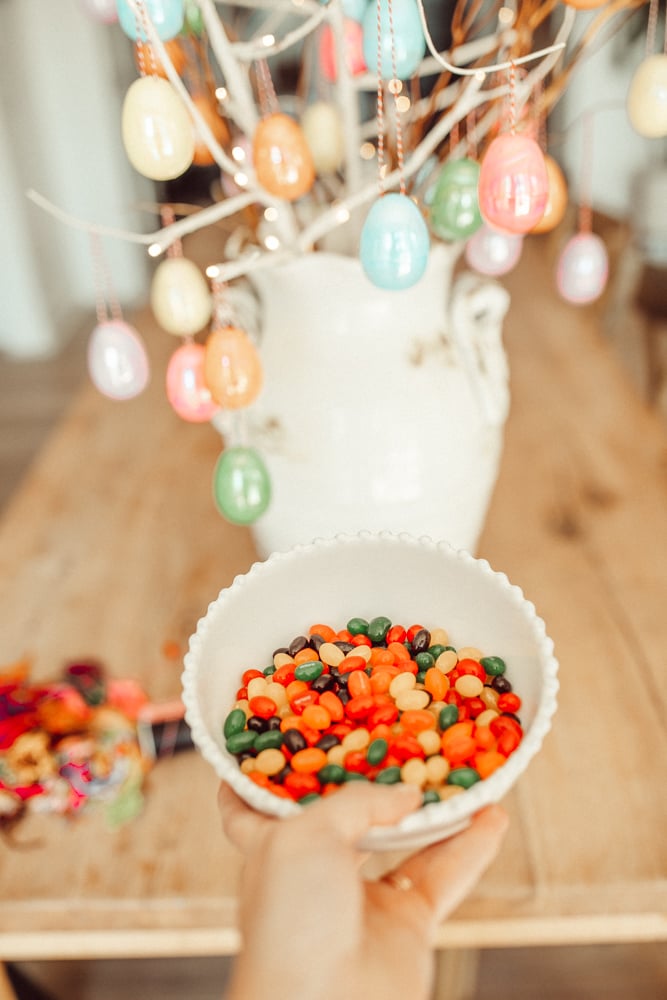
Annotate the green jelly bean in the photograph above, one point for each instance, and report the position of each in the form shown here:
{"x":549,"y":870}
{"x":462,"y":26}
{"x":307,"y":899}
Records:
{"x":448,"y":716}
{"x":310,"y":797}
{"x":430,"y":797}
{"x":234,"y":723}
{"x":238,"y":742}
{"x":424,"y":661}
{"x":271,"y":738}
{"x":493,"y":665}
{"x":331,"y":773}
{"x":421,"y":676}
{"x":453,"y":648}
{"x":389,"y":776}
{"x":355,"y":776}
{"x":267,"y":671}
{"x":378,"y":628}
{"x":309,"y":671}
{"x":377,"y":751}
{"x":357,"y":626}
{"x":464,"y":777}
{"x":436,"y":650}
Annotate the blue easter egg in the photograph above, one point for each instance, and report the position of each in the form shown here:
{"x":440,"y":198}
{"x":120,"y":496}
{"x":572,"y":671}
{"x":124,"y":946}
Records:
{"x":355,"y":9}
{"x":394,"y":243}
{"x":166,"y":15}
{"x":409,"y":41}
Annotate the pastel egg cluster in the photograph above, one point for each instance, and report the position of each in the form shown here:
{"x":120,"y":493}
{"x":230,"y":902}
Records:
{"x":378,"y":702}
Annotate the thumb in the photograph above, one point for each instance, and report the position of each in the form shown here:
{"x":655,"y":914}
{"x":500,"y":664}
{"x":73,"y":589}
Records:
{"x":352,"y":811}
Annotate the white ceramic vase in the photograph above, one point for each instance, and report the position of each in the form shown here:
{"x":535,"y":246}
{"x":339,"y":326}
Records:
{"x":381,"y":410}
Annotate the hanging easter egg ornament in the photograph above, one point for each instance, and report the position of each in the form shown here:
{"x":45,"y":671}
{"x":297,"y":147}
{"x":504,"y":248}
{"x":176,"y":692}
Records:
{"x":208,"y":110}
{"x":102,"y":10}
{"x":407,"y":38}
{"x":232,"y":368}
{"x":166,"y":15}
{"x":394,"y":243}
{"x":147,"y":60}
{"x":647,"y":97}
{"x":489,"y":251}
{"x":117,"y":360}
{"x":585,"y":4}
{"x":323,"y":131}
{"x":180,"y":297}
{"x":582,"y":269}
{"x":454,"y":206}
{"x":241,"y":486}
{"x":513,"y":183}
{"x":283,"y":162}
{"x":355,"y":9}
{"x":353,"y":44}
{"x":186,"y":387}
{"x":193,"y":19}
{"x":556,"y":200}
{"x":157,"y":131}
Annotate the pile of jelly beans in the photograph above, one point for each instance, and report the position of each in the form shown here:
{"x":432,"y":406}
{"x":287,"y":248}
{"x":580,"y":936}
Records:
{"x":373,"y":701}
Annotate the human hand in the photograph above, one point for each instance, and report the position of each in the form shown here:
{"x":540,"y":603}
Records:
{"x":314,"y":929}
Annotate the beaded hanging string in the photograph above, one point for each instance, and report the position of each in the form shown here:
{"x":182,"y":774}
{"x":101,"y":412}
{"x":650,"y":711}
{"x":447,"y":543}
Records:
{"x":471,"y":139}
{"x":106,"y":301}
{"x":585,"y":209}
{"x":394,"y":86}
{"x":266,"y":93}
{"x":652,"y":26}
{"x":141,"y":18}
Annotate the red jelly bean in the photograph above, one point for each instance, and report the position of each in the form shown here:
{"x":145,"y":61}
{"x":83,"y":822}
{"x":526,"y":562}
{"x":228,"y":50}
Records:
{"x":508,"y":742}
{"x":242,"y":694}
{"x":361,"y":640}
{"x":356,"y":761}
{"x":382,"y":715}
{"x":471,"y":667}
{"x":249,"y":674}
{"x":262,"y":706}
{"x":396,"y":634}
{"x":475,"y":707}
{"x":284,"y":675}
{"x":304,"y":699}
{"x":359,"y":708}
{"x":406,"y":746}
{"x":412,"y":631}
{"x":509,"y":702}
{"x":351,"y":662}
{"x":299,"y":785}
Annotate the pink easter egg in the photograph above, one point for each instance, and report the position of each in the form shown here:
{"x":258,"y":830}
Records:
{"x":583,"y":268}
{"x":186,"y":389}
{"x":353,"y":42}
{"x":513,"y":183}
{"x":492,"y":252}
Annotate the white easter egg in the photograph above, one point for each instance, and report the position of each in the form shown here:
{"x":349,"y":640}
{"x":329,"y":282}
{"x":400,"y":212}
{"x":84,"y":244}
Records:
{"x":323,"y":129}
{"x":647,"y":97}
{"x":158,"y":134}
{"x":180,"y":297}
{"x":117,"y":360}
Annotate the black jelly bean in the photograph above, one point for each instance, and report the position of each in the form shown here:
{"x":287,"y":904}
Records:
{"x":343,"y":695}
{"x":357,"y":626}
{"x":257,"y":724}
{"x":327,"y":741}
{"x":294,"y":741}
{"x":501,"y":684}
{"x":274,"y":722}
{"x":377,"y":629}
{"x":281,"y":775}
{"x":280,"y":649}
{"x":324,"y":682}
{"x":421,"y":641}
{"x":315,"y":642}
{"x":346,"y":647}
{"x":297,"y":644}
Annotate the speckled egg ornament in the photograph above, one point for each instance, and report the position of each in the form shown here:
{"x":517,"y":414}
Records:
{"x":241,"y":485}
{"x":166,"y":15}
{"x":583,"y":268}
{"x":394,"y":244}
{"x":187,"y":391}
{"x":454,"y":205}
{"x":489,"y":251}
{"x":117,"y":360}
{"x":513,"y":183}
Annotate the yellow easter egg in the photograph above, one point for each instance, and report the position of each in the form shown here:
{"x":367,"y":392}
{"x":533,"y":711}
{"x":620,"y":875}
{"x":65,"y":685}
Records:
{"x":156,"y":128}
{"x":323,"y":131}
{"x":180,"y":297}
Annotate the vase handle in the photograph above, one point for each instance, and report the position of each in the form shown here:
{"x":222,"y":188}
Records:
{"x":478,"y":307}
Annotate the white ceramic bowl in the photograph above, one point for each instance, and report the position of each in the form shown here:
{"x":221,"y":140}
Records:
{"x":332,"y":580}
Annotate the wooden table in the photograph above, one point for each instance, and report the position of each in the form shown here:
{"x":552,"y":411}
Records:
{"x":112,"y":546}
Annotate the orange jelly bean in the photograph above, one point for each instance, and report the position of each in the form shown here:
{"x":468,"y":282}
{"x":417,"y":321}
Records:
{"x":334,"y":706}
{"x":487,"y":761}
{"x":416,"y":720}
{"x":316,"y":717}
{"x":359,"y":683}
{"x":436,"y":683}
{"x":351,"y":662}
{"x":325,"y":631}
{"x":308,"y":761}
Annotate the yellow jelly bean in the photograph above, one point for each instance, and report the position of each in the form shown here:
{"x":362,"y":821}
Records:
{"x":439,"y":637}
{"x":468,"y":686}
{"x":358,"y":739}
{"x":490,"y":697}
{"x":469,"y":653}
{"x":408,"y":700}
{"x":430,"y":741}
{"x":282,"y":659}
{"x":447,"y":661}
{"x":337,"y":754}
{"x":437,"y":769}
{"x":448,"y":791}
{"x":331,"y":654}
{"x":276,"y":692}
{"x":413,"y":772}
{"x":404,"y":681}
{"x":256,"y":687}
{"x":486,"y":717}
{"x":270,"y":761}
{"x":249,"y":764}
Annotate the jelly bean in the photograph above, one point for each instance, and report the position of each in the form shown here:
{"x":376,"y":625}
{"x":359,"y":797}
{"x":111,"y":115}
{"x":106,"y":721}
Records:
{"x":412,"y":631}
{"x":363,"y":649}
{"x":417,"y":720}
{"x":352,"y":662}
{"x":358,"y":683}
{"x":436,"y":683}
{"x":425,"y":660}
{"x":501,"y":684}
{"x":485,"y":717}
{"x":309,"y":670}
{"x":421,"y":641}
{"x":234,"y":723}
{"x":259,"y":778}
{"x":257,"y":724}
{"x":257,"y":687}
{"x":302,"y":700}
{"x":381,"y":656}
{"x":377,"y":751}
{"x":249,"y":674}
{"x":325,"y":682}
{"x":301,"y":784}
{"x":358,"y":739}
{"x":383,"y":714}
{"x":357,"y":626}
{"x":270,"y":670}
{"x":468,"y":686}
{"x":294,"y":741}
{"x":449,"y":791}
{"x":356,"y":761}
{"x":446,"y":661}
{"x":331,"y":654}
{"x":435,"y":651}
{"x":305,"y":655}
{"x":341,"y":729}
{"x":316,"y":717}
{"x":429,"y":741}
{"x":262,"y":706}
{"x":239,"y":742}
{"x":346,"y":647}
{"x":470,"y":653}
{"x":439,"y":636}
{"x":401,"y":654}
{"x":402,"y":682}
{"x":448,"y":716}
{"x":414,"y":772}
{"x":509,"y":702}
{"x":270,"y":760}
{"x":316,"y":641}
{"x":284,"y":674}
{"x":429,"y":797}
{"x":331,"y":773}
{"x":406,"y":746}
{"x":475,"y":707}
{"x":336,"y":755}
{"x":488,"y":761}
{"x":308,"y":761}
{"x":395,"y":634}
{"x":421,"y":675}
{"x":279,"y":791}
{"x":359,"y":708}
{"x":361,"y":640}
{"x":388,"y":776}
{"x":504,"y":723}
{"x":274,"y":722}
{"x":248,"y":764}
{"x":333,"y":705}
{"x":355,"y":776}
{"x":493,"y":665}
{"x":464,"y":777}
{"x":378,"y":628}
{"x":311,"y":735}
{"x":280,"y":650}
{"x":437,"y":769}
{"x":489,"y":697}
{"x":325,"y":631}
{"x":469,"y":667}
{"x":380,"y":681}
{"x":327,"y":741}
{"x":484,"y":738}
{"x":414,"y":699}
{"x":458,"y":750}
{"x":297,"y":644}
{"x":508,"y":742}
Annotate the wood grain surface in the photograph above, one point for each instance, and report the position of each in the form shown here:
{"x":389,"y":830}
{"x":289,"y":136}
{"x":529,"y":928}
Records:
{"x":112,"y":546}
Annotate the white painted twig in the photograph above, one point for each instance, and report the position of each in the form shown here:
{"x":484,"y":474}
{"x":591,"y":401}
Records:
{"x":249,"y":51}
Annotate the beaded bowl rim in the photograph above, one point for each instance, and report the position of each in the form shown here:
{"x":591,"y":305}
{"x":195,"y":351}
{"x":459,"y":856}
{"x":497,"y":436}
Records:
{"x":422,"y":826}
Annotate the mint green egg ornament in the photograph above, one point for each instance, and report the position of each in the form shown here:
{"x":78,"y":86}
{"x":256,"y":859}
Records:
{"x":454,"y":209}
{"x":241,"y":485}
{"x":394,"y":244}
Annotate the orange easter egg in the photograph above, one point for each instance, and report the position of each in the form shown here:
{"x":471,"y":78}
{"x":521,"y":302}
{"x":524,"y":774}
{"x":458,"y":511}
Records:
{"x":149,"y":62}
{"x":232,"y":368}
{"x":556,"y":199}
{"x":282,"y":158}
{"x":209,"y":112}
{"x":585,"y":4}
